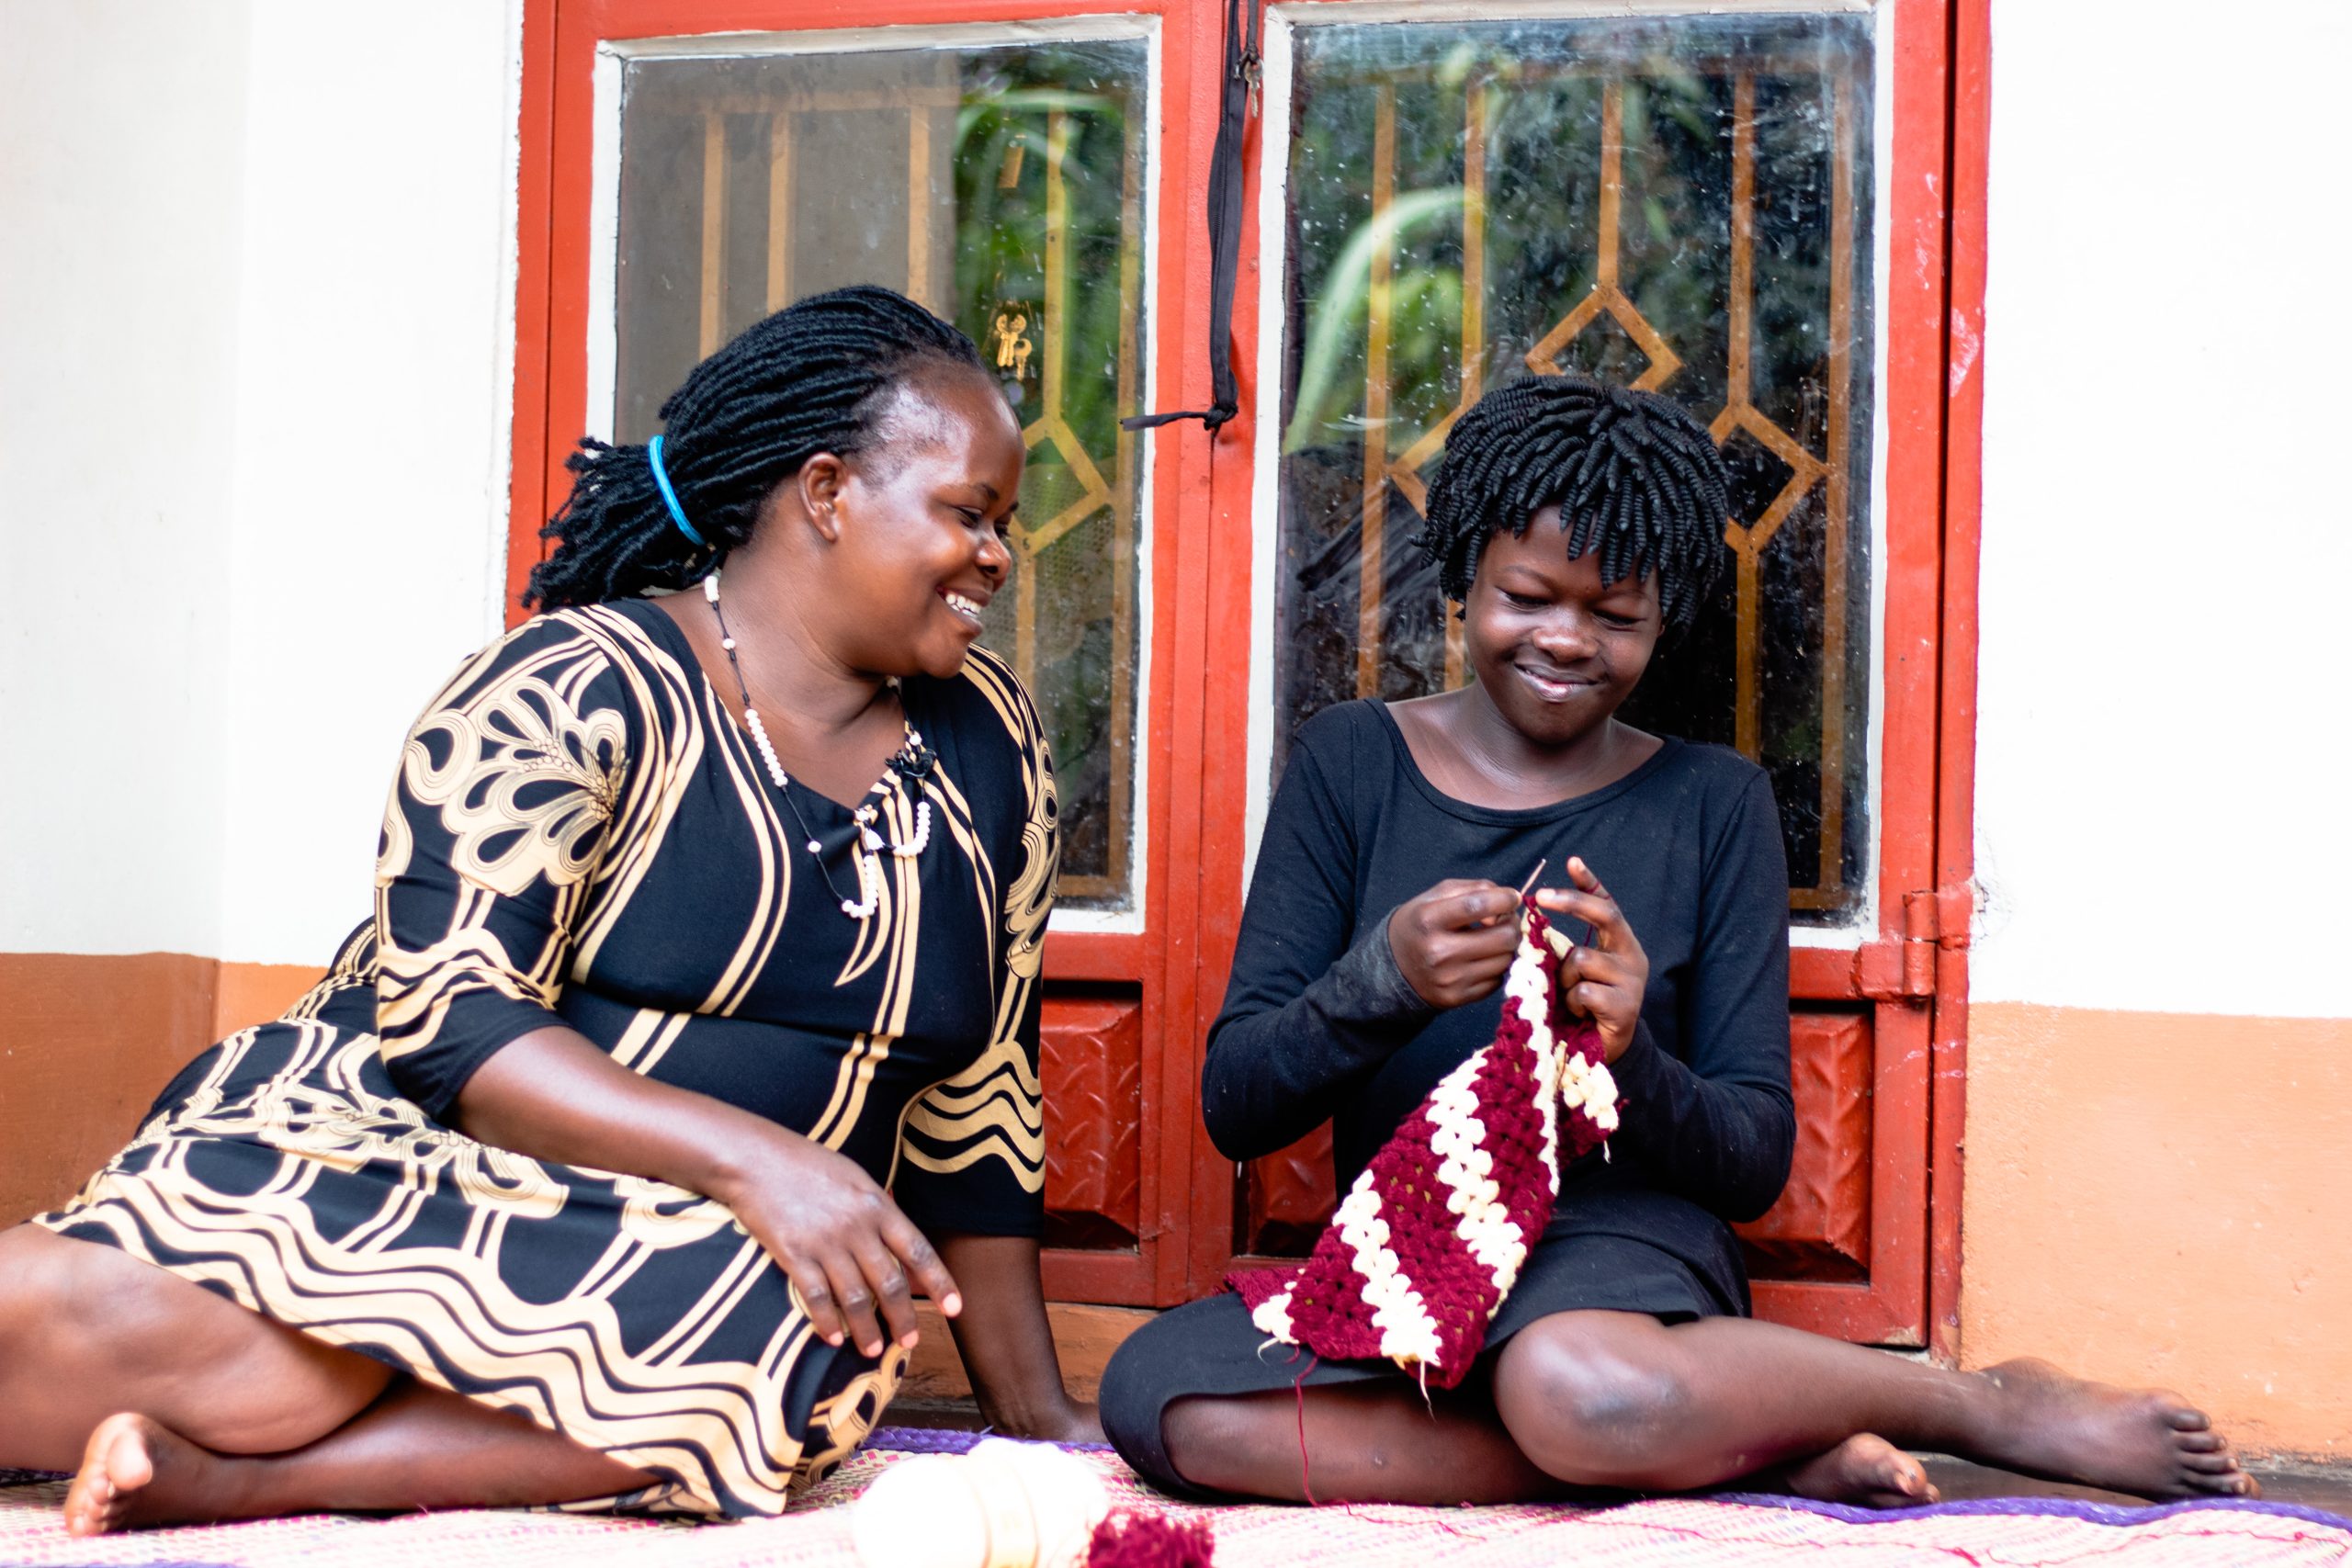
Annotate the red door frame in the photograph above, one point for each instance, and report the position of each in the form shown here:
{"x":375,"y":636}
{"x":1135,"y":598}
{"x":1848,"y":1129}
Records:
{"x":1891,"y":1308}
{"x":1966,"y":249}
{"x":1201,"y":495}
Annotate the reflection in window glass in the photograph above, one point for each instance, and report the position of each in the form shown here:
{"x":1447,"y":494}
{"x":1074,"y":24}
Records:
{"x":1677,"y":203}
{"x":1001,"y":186}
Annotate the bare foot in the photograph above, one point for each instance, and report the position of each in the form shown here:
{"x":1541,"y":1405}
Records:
{"x":1865,"y":1471}
{"x":2139,"y":1440}
{"x":136,"y":1473}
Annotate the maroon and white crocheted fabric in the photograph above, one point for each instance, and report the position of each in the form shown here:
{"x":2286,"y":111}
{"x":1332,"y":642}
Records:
{"x":1431,"y":1236}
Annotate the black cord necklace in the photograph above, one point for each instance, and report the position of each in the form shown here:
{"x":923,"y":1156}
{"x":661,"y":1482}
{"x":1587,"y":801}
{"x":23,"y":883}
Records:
{"x":911,"y":761}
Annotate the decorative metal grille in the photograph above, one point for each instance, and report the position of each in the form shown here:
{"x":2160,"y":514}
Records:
{"x":1674,"y":203}
{"x":1002,"y":186}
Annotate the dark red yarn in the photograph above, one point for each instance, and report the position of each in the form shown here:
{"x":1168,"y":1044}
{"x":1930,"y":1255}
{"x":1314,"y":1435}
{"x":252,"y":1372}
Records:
{"x":1327,"y":1311}
{"x":1131,"y":1538}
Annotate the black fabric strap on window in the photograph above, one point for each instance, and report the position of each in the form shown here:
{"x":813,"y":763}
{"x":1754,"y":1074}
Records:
{"x":1241,"y":62}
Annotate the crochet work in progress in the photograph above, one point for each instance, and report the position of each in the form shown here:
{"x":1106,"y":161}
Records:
{"x":1432,"y":1237}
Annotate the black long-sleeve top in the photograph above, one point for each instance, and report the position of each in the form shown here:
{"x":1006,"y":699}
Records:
{"x":1320,"y":1024}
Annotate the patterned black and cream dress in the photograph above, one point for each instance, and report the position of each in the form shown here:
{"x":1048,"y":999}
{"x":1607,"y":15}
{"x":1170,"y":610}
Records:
{"x":580,"y":833}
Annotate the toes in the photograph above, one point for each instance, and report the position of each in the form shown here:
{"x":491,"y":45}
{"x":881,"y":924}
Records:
{"x":1908,"y":1478}
{"x":1876,"y":1465}
{"x":1902,"y":1496}
{"x":2210,"y":1464}
{"x":89,"y":1510}
{"x":1868,"y":1470}
{"x":2201,"y":1443}
{"x":114,"y":1462}
{"x":2185,"y":1418}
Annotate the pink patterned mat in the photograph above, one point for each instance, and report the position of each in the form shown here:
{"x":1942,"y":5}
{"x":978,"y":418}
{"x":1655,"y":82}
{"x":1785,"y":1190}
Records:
{"x":1721,"y":1530}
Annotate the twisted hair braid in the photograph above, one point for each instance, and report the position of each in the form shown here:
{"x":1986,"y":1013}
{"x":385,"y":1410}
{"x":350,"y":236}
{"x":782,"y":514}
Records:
{"x":815,"y":376}
{"x":1632,"y":473}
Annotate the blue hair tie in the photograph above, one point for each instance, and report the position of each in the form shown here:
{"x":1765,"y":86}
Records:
{"x":669,"y":497}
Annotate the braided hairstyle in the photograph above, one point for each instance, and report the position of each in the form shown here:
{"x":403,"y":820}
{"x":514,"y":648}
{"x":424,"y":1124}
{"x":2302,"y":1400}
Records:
{"x":1632,"y":473}
{"x":816,"y":377}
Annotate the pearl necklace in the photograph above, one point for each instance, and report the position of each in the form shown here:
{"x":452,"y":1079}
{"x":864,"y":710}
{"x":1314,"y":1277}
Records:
{"x":911,"y":761}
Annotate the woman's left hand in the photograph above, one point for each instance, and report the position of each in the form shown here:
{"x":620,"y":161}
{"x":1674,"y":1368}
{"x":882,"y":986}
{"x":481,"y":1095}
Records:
{"x":1603,"y":981}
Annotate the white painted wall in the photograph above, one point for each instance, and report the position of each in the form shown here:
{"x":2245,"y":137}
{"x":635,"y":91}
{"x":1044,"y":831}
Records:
{"x":2164,"y":734}
{"x":122,"y":177}
{"x":373,"y":409}
{"x":255,"y":292}
{"x":255,"y":267}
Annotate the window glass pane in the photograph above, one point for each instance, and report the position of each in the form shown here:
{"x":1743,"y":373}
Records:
{"x":1678,"y":203}
{"x":1002,"y":186}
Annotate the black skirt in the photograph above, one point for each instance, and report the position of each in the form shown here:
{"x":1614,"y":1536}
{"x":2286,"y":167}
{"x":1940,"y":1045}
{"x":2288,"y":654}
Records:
{"x":1210,"y":1348}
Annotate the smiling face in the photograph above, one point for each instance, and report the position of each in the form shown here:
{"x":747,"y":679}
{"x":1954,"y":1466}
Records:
{"x":1556,"y":649}
{"x":918,"y":522}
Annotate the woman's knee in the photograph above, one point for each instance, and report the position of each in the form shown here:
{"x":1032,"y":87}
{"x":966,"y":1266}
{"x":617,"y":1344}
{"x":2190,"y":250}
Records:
{"x":1216,"y":1443}
{"x":1594,"y":1398}
{"x":1142,"y":1388}
{"x":1157,"y":1416}
{"x":58,"y":1299}
{"x":104,"y":1331}
{"x":33,"y":1292}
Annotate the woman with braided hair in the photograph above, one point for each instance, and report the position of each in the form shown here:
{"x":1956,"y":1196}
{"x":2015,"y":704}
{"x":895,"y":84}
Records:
{"x":694,"y":1032}
{"x":1578,"y":527}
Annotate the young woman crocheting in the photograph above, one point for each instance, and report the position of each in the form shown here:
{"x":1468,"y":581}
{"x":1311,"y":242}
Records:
{"x":1578,"y":525}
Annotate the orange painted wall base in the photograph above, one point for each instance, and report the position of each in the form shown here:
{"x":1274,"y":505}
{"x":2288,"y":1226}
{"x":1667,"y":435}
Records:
{"x":2155,"y":1197}
{"x":2151,"y":1196}
{"x":247,"y":994}
{"x":87,"y":1042}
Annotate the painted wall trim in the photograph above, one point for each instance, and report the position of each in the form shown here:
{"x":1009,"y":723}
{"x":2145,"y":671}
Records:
{"x":1965,"y":263}
{"x":90,"y":1040}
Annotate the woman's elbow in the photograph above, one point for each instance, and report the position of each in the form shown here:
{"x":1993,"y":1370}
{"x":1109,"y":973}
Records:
{"x":1226,"y":1102}
{"x":1236,"y":1134}
{"x":1759,"y":1186}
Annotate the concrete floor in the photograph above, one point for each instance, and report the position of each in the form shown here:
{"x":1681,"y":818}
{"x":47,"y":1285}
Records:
{"x":2325,"y":1488}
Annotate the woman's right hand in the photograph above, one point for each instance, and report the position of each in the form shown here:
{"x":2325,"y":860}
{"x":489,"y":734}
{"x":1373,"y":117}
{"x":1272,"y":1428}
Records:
{"x":552,"y":1094}
{"x":1454,"y":942}
{"x":841,"y":1240}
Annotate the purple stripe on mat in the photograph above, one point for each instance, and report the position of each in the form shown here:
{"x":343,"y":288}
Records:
{"x":947,"y":1440}
{"x":941,"y":1440}
{"x":922,"y":1439}
{"x":2037,"y":1507}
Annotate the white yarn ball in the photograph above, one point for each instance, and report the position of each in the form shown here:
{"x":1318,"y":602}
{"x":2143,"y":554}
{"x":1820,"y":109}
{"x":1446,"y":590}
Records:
{"x":1004,"y":1505}
{"x":921,"y":1513}
{"x":1067,"y":1498}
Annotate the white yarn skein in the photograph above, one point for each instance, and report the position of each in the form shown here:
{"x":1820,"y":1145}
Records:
{"x":1004,"y":1505}
{"x":919,"y":1514}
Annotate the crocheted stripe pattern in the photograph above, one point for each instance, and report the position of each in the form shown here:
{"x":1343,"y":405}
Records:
{"x":1431,"y":1236}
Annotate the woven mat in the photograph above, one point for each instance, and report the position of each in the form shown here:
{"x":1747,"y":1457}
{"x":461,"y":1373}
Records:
{"x":1723,"y":1529}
